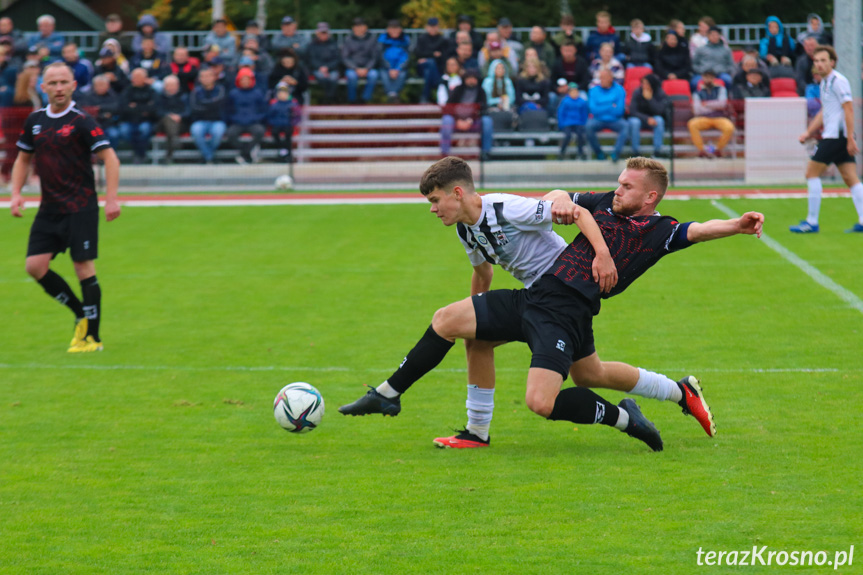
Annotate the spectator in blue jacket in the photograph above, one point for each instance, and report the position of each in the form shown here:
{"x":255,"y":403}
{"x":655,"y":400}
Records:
{"x":280,"y":119}
{"x":571,"y":119}
{"x":8,"y":77}
{"x":607,"y":104}
{"x":603,"y":33}
{"x":207,"y":105}
{"x":776,"y":47}
{"x":82,"y":69}
{"x":46,"y":36}
{"x":246,"y":112}
{"x":220,"y":36}
{"x":394,"y":59}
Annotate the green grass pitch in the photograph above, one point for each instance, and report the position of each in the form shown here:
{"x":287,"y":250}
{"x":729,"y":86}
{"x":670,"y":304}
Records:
{"x":161,"y":454}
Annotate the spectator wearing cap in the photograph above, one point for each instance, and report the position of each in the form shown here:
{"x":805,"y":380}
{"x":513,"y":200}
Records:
{"x":754,"y":86}
{"x":464,"y":23}
{"x":172,"y":112}
{"x":324,"y":59}
{"x":14,"y":38}
{"x":431,"y":52}
{"x":394,"y":59}
{"x":281,"y":116}
{"x":206,"y":113}
{"x":154,"y":62}
{"x":246,"y":114}
{"x":495,"y":50}
{"x":361,"y":54}
{"x":710,"y":106}
{"x":715,"y":56}
{"x":148,"y":27}
{"x":47,"y":36}
{"x":466,"y":111}
{"x":82,"y":69}
{"x":604,"y":32}
{"x":185,"y":68}
{"x":288,"y":37}
{"x":222,"y":37}
{"x":253,"y":30}
{"x":114,"y":30}
{"x":504,"y":30}
{"x":108,"y":66}
{"x":114,"y":46}
{"x":289,"y":70}
{"x":138,"y":114}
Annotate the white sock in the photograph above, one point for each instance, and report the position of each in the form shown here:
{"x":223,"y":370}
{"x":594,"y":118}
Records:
{"x":814,"y":186}
{"x":857,"y":196}
{"x":480,"y":408}
{"x":387,"y":391}
{"x":656,"y":386}
{"x":622,"y":419}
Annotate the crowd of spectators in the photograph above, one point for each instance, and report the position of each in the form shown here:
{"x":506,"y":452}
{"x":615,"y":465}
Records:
{"x":244,"y":84}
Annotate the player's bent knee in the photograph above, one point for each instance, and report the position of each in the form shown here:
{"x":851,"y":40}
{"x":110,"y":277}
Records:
{"x":36,"y":269}
{"x":539,"y":403}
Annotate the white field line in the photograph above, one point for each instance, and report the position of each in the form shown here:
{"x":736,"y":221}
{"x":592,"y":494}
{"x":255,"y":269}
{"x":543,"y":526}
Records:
{"x":286,"y":368}
{"x":848,"y":297}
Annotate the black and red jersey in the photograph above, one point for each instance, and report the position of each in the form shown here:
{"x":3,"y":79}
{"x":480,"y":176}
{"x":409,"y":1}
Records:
{"x":62,"y":145}
{"x":635,"y":243}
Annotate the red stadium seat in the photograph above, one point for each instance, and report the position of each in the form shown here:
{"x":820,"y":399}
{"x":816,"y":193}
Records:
{"x":785,"y":94}
{"x":783,"y":85}
{"x":636,"y":73}
{"x":717,"y":81}
{"x":630,"y":86}
{"x":737,"y":55}
{"x":676,"y":88}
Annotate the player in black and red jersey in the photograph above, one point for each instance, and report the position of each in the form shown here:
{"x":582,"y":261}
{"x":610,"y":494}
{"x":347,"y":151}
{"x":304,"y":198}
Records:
{"x":60,"y":140}
{"x":555,"y":315}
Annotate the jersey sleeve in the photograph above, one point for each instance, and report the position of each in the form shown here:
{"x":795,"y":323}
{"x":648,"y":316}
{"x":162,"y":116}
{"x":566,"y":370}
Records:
{"x":678,"y":239}
{"x":842,"y":88}
{"x":93,"y":135}
{"x":473,"y":254}
{"x":25,"y":138}
{"x":528,"y":213}
{"x":590,"y":201}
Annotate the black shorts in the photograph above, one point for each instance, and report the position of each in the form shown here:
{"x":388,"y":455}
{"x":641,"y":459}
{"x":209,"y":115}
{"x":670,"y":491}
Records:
{"x":556,"y":321}
{"x":832,"y":151}
{"x":55,"y":233}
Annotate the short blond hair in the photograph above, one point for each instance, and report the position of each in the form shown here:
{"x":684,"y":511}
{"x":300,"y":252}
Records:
{"x":657,"y":175}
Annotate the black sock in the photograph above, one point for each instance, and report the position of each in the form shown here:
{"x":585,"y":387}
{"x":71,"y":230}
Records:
{"x":56,"y":287}
{"x":92,"y":305}
{"x":581,"y":405}
{"x":424,"y":357}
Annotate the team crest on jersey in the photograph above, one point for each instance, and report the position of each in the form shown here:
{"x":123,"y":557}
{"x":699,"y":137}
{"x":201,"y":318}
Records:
{"x":482,"y":239}
{"x":66,"y":130}
{"x":36,"y":129}
{"x":501,"y":238}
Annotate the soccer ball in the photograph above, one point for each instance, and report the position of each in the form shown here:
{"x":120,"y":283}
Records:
{"x":299,"y":407}
{"x":284,"y":182}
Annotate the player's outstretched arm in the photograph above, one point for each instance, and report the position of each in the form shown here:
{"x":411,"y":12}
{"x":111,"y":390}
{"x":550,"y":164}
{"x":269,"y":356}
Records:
{"x":749,"y":223}
{"x":20,"y":170}
{"x":112,"y":182}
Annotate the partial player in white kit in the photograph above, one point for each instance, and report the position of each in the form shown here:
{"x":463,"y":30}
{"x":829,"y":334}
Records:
{"x":516,"y":233}
{"x":837,"y":119}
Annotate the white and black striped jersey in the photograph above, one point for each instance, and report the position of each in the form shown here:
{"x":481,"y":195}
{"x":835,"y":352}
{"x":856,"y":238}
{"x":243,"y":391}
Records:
{"x":835,"y":91}
{"x":515,"y":233}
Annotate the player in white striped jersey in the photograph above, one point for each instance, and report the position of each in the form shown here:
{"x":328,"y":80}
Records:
{"x":838,"y":143}
{"x":516,"y":233}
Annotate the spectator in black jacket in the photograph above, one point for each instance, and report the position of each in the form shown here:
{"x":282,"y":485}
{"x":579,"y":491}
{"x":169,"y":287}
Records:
{"x":172,"y":107}
{"x":755,"y":86}
{"x":568,"y":68}
{"x":291,"y":71}
{"x":648,"y":109}
{"x":531,"y":87}
{"x":464,"y":23}
{"x":431,"y":52}
{"x":103,"y":103}
{"x":206,"y":112}
{"x":137,"y":114}
{"x":324,"y":58}
{"x":639,"y":48}
{"x":673,"y":61}
{"x":465,"y":111}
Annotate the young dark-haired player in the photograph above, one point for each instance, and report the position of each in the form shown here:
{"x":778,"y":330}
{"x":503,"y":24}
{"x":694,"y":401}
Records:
{"x":554,"y":316}
{"x":59,"y":141}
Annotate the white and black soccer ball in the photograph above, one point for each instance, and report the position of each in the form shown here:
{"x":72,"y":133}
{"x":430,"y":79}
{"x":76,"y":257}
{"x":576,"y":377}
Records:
{"x":299,"y":407}
{"x":284,"y":182}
